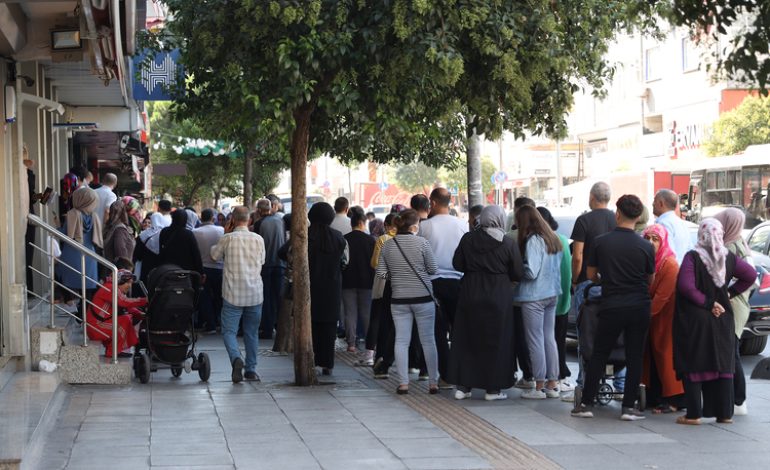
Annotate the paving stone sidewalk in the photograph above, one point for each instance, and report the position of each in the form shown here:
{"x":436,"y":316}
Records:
{"x":184,"y":424}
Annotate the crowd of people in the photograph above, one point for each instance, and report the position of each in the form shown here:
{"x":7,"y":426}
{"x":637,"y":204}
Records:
{"x":481,"y":304}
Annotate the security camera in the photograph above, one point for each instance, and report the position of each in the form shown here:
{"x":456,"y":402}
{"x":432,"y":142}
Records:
{"x":29,"y":81}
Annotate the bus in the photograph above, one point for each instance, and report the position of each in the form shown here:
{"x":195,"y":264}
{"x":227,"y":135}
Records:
{"x":741,"y":181}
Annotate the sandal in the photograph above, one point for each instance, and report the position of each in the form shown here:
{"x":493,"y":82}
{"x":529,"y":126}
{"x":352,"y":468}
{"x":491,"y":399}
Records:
{"x":688,"y":421}
{"x":664,"y":409}
{"x":724,"y":420}
{"x":433,"y":389}
{"x":402,"y":391}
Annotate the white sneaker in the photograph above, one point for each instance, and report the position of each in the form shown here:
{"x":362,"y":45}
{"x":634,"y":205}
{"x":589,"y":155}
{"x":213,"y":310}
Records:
{"x":460,"y":395}
{"x":525,"y":384}
{"x":551,"y":392}
{"x":631,"y":414}
{"x":414,"y":371}
{"x":566,"y":386}
{"x":533,"y":394}
{"x":568,"y":397}
{"x":741,"y":410}
{"x":495,"y":396}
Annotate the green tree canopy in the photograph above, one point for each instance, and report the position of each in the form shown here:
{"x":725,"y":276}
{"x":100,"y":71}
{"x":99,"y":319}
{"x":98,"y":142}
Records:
{"x":748,"y":124}
{"x":416,"y":177}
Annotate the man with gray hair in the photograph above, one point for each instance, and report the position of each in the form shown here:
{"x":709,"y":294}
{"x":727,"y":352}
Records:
{"x":208,"y":235}
{"x":664,"y":208}
{"x":107,"y":196}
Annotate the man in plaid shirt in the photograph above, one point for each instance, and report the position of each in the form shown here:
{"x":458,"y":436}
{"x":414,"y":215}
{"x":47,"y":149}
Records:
{"x":244,"y":254}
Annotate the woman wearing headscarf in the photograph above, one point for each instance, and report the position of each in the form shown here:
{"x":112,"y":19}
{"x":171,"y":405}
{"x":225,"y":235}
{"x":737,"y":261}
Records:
{"x":118,"y":239}
{"x":733,"y":220}
{"x":134,"y":212}
{"x":82,"y":225}
{"x":326,"y":256}
{"x":147,"y":249}
{"x":664,"y":389}
{"x":376,"y":228}
{"x":100,"y":314}
{"x":704,"y":328}
{"x":178,"y":245}
{"x":482,"y":336}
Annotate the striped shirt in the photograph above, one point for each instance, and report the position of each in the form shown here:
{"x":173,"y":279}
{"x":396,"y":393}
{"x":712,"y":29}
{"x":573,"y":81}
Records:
{"x":244,"y":255}
{"x":405,"y":284}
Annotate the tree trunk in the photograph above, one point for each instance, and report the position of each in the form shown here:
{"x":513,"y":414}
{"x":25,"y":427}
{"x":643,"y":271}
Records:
{"x":248,"y":177}
{"x":475,"y":195}
{"x":284,"y":338}
{"x":304,"y":364}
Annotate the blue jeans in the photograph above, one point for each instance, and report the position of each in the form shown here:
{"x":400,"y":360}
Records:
{"x":251,"y":315}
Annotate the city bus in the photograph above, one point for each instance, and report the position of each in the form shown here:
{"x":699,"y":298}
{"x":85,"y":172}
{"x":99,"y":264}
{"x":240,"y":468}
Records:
{"x":741,"y":181}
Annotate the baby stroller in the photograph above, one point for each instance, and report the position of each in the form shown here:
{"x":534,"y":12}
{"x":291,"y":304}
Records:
{"x":172,"y":296}
{"x":587,"y":324}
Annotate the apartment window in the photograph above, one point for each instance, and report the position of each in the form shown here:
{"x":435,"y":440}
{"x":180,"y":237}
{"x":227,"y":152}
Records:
{"x":690,"y":55}
{"x":652,"y":64}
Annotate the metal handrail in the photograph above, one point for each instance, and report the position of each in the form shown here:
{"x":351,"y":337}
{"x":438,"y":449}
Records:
{"x":53,"y":232}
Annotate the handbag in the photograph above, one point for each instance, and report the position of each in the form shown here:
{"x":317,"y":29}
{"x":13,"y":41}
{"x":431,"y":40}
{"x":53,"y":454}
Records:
{"x":378,"y":287}
{"x":430,"y":291}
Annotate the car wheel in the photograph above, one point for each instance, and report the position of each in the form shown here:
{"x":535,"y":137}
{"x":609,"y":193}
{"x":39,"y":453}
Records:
{"x":753,"y":345}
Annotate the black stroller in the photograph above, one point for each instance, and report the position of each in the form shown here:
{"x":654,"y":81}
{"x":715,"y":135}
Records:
{"x":172,"y":294}
{"x":587,"y":323}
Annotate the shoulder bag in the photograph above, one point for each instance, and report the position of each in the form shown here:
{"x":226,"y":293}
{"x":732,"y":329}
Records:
{"x":430,"y":291}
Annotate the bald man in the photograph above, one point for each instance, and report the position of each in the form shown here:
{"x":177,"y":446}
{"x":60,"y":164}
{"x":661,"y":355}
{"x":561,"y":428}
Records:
{"x":444,"y":232}
{"x":107,"y":196}
{"x":664,"y":207}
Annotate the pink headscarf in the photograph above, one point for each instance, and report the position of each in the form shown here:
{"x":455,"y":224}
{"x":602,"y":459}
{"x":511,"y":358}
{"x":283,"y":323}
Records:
{"x":711,"y":248}
{"x":664,"y":251}
{"x":732,"y":221}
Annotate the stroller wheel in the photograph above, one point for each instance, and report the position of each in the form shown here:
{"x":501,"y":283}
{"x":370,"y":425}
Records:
{"x":176,"y":371}
{"x":604,"y":397}
{"x":204,"y":367}
{"x":144,"y":366}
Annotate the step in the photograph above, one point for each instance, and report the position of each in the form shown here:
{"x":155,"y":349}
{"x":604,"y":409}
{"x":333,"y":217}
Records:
{"x":80,"y":364}
{"x":29,"y":404}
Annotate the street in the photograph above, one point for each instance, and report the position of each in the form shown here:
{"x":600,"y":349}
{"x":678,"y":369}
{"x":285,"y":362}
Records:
{"x":354,"y":421}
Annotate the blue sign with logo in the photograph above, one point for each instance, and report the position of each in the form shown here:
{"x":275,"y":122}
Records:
{"x":500,"y":177}
{"x":384,"y":186}
{"x":155,"y":79}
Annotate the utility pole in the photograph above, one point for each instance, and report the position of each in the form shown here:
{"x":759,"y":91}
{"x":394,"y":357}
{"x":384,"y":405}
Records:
{"x":473,"y":161}
{"x":558,"y":174}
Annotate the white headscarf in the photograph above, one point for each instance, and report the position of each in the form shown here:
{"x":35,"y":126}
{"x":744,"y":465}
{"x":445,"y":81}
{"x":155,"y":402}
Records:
{"x":492,"y":221}
{"x":711,"y":249}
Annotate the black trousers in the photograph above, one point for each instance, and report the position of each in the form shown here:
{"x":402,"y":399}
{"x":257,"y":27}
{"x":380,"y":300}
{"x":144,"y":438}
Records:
{"x":712,"y":399}
{"x":739,"y":379}
{"x":560,"y":331}
{"x":520,"y":350}
{"x":447,"y":291}
{"x":323,"y":343}
{"x":633,"y":321}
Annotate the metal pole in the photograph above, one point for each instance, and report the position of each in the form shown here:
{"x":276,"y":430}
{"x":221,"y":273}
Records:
{"x":558,"y":174}
{"x":51,"y":274}
{"x":83,"y":305}
{"x":114,"y":314}
{"x":473,"y":162}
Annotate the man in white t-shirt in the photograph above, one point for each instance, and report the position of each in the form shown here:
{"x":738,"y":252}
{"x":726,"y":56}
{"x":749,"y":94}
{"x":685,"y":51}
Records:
{"x":162,"y":218}
{"x":341,"y":221}
{"x":444,"y":232}
{"x":107,"y":196}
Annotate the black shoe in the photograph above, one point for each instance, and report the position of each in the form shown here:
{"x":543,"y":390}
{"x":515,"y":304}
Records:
{"x":125,"y":354}
{"x":326,"y":371}
{"x":265,"y":336}
{"x":251,"y":376}
{"x":237,"y":370}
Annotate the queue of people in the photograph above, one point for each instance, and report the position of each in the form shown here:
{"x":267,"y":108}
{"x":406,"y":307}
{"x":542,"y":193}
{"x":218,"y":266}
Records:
{"x":478,"y":305}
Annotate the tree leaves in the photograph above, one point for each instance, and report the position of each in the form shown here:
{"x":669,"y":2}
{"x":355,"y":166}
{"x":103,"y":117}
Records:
{"x":748,"y":124}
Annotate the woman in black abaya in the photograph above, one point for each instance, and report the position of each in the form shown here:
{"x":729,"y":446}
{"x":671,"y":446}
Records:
{"x":326,"y":253}
{"x":482,"y":335}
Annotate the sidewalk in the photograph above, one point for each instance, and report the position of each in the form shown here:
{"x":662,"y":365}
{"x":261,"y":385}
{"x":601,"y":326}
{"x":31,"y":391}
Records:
{"x":182,"y":423}
{"x":359,"y":422}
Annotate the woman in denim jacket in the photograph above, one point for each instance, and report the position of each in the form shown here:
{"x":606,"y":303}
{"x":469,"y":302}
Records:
{"x":537,"y":293}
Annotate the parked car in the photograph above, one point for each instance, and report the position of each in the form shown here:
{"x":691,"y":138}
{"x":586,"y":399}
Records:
{"x":311,"y":199}
{"x":380,"y":210}
{"x":754,"y":337}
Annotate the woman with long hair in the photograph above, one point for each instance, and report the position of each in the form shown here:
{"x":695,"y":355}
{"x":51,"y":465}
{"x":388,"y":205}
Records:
{"x":733,"y":220}
{"x":482,"y":336}
{"x":407,"y":260}
{"x":118,"y":238}
{"x":326,"y":257}
{"x":537,"y":293}
{"x":704,"y":328}
{"x":664,"y":389}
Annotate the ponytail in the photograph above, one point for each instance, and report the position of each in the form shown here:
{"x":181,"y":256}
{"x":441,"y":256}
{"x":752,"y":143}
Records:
{"x":405,"y":219}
